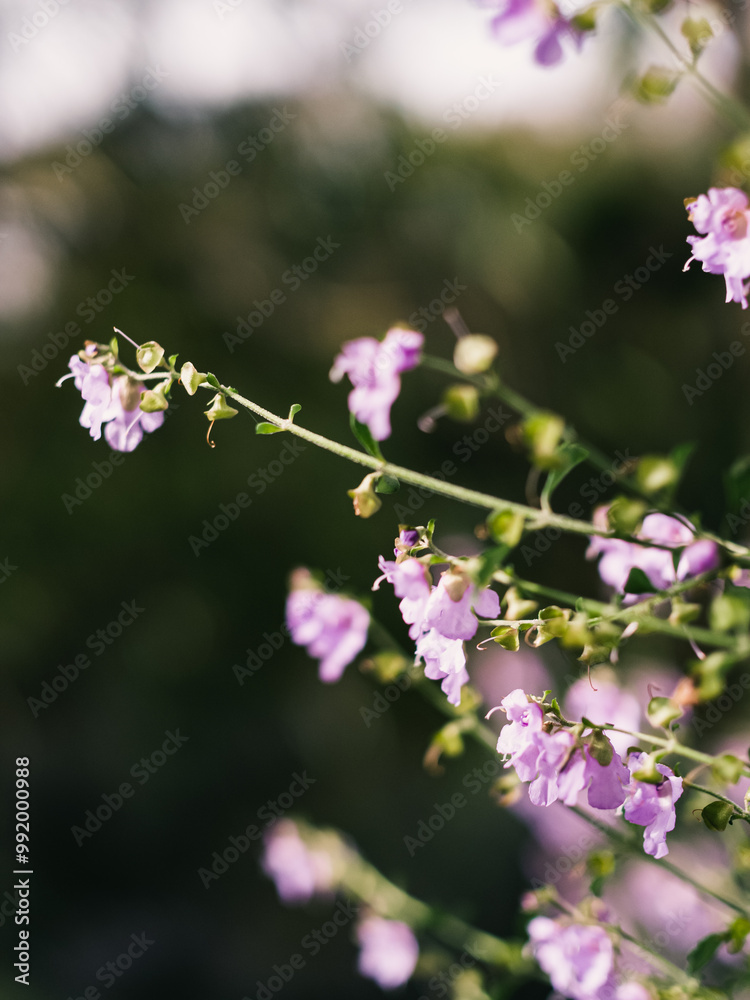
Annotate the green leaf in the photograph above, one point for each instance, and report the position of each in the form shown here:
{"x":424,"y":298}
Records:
{"x":293,"y":411}
{"x":387,"y":484}
{"x":364,"y":436}
{"x":570,"y":455}
{"x":265,"y":428}
{"x":730,"y":611}
{"x":173,"y":360}
{"x":213,"y":381}
{"x":738,"y":931}
{"x":638,"y":582}
{"x":716,"y":815}
{"x":704,"y":951}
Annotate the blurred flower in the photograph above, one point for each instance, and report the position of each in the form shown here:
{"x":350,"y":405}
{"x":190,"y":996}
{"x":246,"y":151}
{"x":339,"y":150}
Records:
{"x":299,"y":873}
{"x":578,"y":958}
{"x":722,"y":218}
{"x":333,"y":628}
{"x":373,"y":368}
{"x":445,"y":660}
{"x":539,"y":20}
{"x":389,"y":951}
{"x":652,"y":806}
{"x":602,"y":700}
{"x":620,"y":557}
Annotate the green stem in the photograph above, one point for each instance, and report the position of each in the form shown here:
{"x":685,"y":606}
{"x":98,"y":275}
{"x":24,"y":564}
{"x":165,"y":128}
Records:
{"x":726,"y":105}
{"x":738,"y":812}
{"x":640,"y":612}
{"x":539,"y":518}
{"x":672,"y":746}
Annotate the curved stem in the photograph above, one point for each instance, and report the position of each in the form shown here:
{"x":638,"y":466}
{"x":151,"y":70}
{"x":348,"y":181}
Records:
{"x":738,"y":811}
{"x":672,"y":746}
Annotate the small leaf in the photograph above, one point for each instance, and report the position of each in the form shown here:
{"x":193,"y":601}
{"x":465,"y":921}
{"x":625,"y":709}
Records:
{"x":363,"y":434}
{"x":704,"y":951}
{"x":173,"y":360}
{"x":716,"y":815}
{"x":266,"y":428}
{"x":387,"y":484}
{"x":213,"y":381}
{"x":293,"y":411}
{"x":738,"y":932}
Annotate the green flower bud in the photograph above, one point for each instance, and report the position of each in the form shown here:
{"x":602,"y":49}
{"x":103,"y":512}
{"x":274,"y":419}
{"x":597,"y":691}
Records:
{"x":462,"y":402}
{"x":662,"y":711}
{"x":656,"y":84}
{"x":506,"y":637}
{"x":191,"y":378}
{"x":727,"y":769}
{"x":220,"y":409}
{"x":149,"y":355}
{"x":366,"y":501}
{"x":543,"y":433}
{"x":648,"y":773}
{"x":716,"y":815}
{"x":506,"y":526}
{"x":153,"y":400}
{"x":625,"y":515}
{"x":600,"y":748}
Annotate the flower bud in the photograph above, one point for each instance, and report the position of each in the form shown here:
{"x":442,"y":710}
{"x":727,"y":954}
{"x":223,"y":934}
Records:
{"x":462,"y":402}
{"x":191,"y":378}
{"x":149,"y":355}
{"x":727,"y":769}
{"x":506,"y":526}
{"x":716,"y":815}
{"x":517,"y":607}
{"x":220,"y":409}
{"x":661,"y":712}
{"x":474,"y":353}
{"x":506,"y":637}
{"x":542,"y":434}
{"x":153,"y":400}
{"x":366,"y":501}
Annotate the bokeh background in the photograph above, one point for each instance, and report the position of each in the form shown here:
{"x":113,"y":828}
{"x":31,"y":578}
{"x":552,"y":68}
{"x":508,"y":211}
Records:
{"x":183,"y":87}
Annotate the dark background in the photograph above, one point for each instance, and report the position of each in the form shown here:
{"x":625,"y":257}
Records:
{"x":173,"y":667}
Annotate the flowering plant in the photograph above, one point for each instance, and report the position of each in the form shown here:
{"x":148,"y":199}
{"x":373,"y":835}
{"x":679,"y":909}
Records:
{"x":639,"y":786}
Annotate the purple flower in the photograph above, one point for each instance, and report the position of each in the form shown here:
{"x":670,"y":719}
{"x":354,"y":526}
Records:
{"x":333,"y":628}
{"x":410,"y":582}
{"x":298,"y":872}
{"x":520,"y":20}
{"x":373,"y":368}
{"x":652,"y":806}
{"x":722,"y":218}
{"x":389,"y":951}
{"x":619,"y":556}
{"x":555,"y":765}
{"x":444,"y":659}
{"x":578,"y":958}
{"x":114,"y":403}
{"x":453,"y":618}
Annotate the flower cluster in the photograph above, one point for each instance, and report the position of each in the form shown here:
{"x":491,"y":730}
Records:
{"x":442,"y":617}
{"x":561,"y":763}
{"x":658,"y":564}
{"x":374,"y":368}
{"x":111,"y":400}
{"x":333,"y":628}
{"x":722,"y":217}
